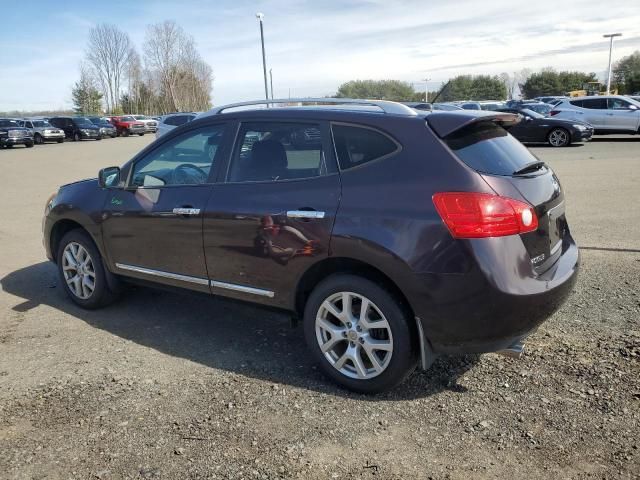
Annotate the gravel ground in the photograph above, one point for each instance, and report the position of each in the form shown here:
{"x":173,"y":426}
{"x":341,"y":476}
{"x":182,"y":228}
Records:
{"x":171,"y":386}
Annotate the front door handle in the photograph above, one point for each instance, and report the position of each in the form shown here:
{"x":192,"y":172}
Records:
{"x":186,"y":211}
{"x":305,"y":214}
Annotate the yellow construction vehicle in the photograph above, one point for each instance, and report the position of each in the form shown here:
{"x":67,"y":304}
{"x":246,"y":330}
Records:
{"x":592,"y":88}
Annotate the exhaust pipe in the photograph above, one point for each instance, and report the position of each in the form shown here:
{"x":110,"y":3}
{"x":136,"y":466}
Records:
{"x":514,"y":350}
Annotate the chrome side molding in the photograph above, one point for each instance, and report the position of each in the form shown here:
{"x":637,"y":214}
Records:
{"x":241,"y":288}
{"x":160,"y":273}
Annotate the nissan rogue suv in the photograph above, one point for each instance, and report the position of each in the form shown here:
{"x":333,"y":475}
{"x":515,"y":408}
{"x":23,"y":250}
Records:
{"x":394,"y":236}
{"x":607,"y":113}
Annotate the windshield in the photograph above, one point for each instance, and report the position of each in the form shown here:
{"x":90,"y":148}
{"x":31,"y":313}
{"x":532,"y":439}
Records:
{"x":41,"y":123}
{"x":531,"y":113}
{"x":8,"y":123}
{"x":82,"y":121}
{"x":128,"y":118}
{"x":543,"y":108}
{"x":488,"y":148}
{"x":140,"y":117}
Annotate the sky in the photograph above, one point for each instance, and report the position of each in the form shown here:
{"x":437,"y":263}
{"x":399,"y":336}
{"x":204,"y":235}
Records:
{"x":314,"y":45}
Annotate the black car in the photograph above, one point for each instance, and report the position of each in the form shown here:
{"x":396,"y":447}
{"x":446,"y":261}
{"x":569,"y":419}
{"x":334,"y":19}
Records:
{"x":105,"y":126}
{"x":396,"y":237}
{"x":11,"y":133}
{"x":77,"y":128}
{"x":536,"y":128}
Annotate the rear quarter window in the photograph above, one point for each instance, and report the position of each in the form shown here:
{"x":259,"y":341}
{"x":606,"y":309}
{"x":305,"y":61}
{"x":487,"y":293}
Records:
{"x":359,"y":145}
{"x":488,"y":148}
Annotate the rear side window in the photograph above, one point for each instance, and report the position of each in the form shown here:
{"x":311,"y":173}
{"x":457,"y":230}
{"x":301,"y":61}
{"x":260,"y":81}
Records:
{"x":595,"y":103}
{"x":577,"y":103}
{"x":488,"y":148}
{"x":358,"y":145}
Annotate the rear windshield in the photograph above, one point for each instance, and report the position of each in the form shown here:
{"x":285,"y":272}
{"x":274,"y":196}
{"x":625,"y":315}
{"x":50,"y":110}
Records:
{"x":488,"y":148}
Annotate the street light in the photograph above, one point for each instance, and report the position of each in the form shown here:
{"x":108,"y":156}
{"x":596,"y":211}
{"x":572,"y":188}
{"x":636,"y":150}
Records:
{"x":426,"y":90}
{"x":260,"y":16}
{"x":610,"y":37}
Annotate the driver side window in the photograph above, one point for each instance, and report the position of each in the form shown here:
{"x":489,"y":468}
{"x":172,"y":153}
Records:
{"x":185,"y":160}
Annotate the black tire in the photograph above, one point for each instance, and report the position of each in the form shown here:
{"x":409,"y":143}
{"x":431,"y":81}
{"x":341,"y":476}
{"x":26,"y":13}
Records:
{"x":60,"y":140}
{"x":29,"y":145}
{"x":141,"y":134}
{"x":114,"y":135}
{"x":559,"y":137}
{"x":76,"y":137}
{"x":8,"y":146}
{"x":405,"y":352}
{"x":99,"y":138}
{"x":125,"y":133}
{"x":102,"y":295}
{"x":37,"y":138}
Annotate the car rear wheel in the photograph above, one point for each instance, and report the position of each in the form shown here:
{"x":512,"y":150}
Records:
{"x":29,"y":145}
{"x":141,"y":134}
{"x":81,"y":271}
{"x":125,"y":133}
{"x":60,"y":140}
{"x":359,"y":334}
{"x":559,"y":137}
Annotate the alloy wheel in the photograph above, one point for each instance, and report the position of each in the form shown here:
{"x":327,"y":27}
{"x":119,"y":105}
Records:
{"x":558,"y":138}
{"x":78,"y":270}
{"x":354,"y":335}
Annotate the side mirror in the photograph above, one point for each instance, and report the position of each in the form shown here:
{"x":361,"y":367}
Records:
{"x":109,"y":177}
{"x":633,"y":107}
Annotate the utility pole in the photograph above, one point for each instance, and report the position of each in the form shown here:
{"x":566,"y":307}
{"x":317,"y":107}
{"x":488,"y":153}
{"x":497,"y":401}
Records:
{"x":271,"y":80}
{"x":610,"y":36}
{"x":426,"y":90}
{"x":260,"y":16}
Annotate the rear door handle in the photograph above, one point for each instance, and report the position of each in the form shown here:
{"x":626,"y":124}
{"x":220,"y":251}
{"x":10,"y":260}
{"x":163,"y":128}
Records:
{"x":305,"y":214}
{"x":186,"y":211}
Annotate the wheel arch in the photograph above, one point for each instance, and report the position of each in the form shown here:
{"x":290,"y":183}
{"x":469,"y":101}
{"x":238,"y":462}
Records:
{"x":59,"y":230}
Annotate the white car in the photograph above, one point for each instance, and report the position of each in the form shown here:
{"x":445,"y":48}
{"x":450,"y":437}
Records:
{"x":150,"y":125}
{"x":173,"y":120}
{"x":607,"y":113}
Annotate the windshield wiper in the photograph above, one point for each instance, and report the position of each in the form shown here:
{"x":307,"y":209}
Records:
{"x":530,"y":167}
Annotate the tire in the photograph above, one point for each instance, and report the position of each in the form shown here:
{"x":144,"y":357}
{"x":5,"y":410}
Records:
{"x":141,"y":134}
{"x":99,"y":138}
{"x":60,"y":140}
{"x":37,"y":138}
{"x":101,"y":295}
{"x":353,"y":338}
{"x":114,"y":135}
{"x":559,"y":137}
{"x":29,"y":145}
{"x":125,"y":133}
{"x":76,"y":137}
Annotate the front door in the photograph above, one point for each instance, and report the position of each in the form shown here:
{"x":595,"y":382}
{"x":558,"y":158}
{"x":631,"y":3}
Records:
{"x":153,"y":227}
{"x":272,"y":217}
{"x":621,"y":115}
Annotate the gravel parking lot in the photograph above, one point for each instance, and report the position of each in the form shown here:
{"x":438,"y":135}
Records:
{"x":162,"y":385}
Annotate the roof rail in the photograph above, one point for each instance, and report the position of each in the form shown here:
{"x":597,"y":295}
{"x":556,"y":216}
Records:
{"x":385,"y":105}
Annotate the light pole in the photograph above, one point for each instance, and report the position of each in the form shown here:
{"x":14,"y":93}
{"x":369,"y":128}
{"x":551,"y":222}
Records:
{"x":610,"y":37}
{"x":271,"y":81}
{"x":260,"y":16}
{"x":426,"y":90}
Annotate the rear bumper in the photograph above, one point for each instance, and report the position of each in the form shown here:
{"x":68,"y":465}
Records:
{"x":497,"y":303}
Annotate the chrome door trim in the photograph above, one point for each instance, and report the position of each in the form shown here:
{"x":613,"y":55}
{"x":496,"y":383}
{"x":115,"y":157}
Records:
{"x":160,"y":273}
{"x":186,"y":211}
{"x":304,"y":214}
{"x":241,"y":288}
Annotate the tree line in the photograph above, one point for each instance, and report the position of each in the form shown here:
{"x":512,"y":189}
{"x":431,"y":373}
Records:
{"x":625,"y":78}
{"x":169,"y":76}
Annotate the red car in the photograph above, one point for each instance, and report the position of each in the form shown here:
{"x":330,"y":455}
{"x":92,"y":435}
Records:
{"x":127,"y":125}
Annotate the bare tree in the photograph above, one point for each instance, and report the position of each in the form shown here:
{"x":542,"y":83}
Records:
{"x":108,"y":53}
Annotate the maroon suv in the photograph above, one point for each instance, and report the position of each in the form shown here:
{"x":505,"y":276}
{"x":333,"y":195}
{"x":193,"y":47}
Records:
{"x":395,"y":236}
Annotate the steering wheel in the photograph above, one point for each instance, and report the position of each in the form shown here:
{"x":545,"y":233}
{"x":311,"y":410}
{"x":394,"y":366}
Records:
{"x":188,"y":173}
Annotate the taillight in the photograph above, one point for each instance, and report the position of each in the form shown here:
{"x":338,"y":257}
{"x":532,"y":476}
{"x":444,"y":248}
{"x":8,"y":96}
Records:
{"x":554,"y":112}
{"x":479,"y":215}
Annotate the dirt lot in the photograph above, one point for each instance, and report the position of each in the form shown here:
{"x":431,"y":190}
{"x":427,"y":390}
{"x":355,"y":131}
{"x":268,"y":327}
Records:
{"x":169,"y":386}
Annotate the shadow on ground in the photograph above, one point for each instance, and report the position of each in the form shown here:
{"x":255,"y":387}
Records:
{"x":216,"y":333}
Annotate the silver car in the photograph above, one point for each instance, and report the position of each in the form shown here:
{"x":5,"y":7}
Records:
{"x":42,"y":131}
{"x":150,"y":125}
{"x":607,"y":113}
{"x":173,"y":120}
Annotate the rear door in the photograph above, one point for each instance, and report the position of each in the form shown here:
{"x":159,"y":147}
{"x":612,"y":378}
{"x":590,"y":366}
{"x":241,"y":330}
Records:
{"x":271,"y":217}
{"x":595,"y":112}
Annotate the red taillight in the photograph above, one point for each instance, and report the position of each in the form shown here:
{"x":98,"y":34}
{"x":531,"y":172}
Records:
{"x":478,"y":215}
{"x":554,"y":112}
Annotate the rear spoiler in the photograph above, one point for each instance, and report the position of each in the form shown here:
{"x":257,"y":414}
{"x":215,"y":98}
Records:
{"x":445,"y":123}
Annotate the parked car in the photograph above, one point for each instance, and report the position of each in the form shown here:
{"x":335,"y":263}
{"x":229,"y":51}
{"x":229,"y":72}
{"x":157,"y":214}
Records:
{"x":446,"y":107}
{"x":127,"y":125}
{"x":150,"y":124}
{"x":388,"y":259}
{"x":470,"y":106}
{"x":491,"y":105}
{"x":106,"y":128}
{"x":551,"y":99}
{"x":419,"y":105}
{"x":173,"y":120}
{"x":76,"y":128}
{"x":634,"y":97}
{"x":538,"y":107}
{"x":42,"y":131}
{"x":11,"y":133}
{"x":536,"y":128}
{"x":607,"y":113}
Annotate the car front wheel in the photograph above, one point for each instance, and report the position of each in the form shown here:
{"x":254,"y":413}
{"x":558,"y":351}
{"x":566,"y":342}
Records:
{"x":558,"y":137}
{"x":359,"y":334}
{"x":81,"y":271}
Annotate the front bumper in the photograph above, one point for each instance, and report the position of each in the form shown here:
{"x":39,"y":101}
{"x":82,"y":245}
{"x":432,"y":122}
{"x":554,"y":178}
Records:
{"x":137,"y":130}
{"x":91,"y":134}
{"x":496,"y":303}
{"x":52,"y":136}
{"x":581,"y":135}
{"x":16,"y":140}
{"x":150,"y":128}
